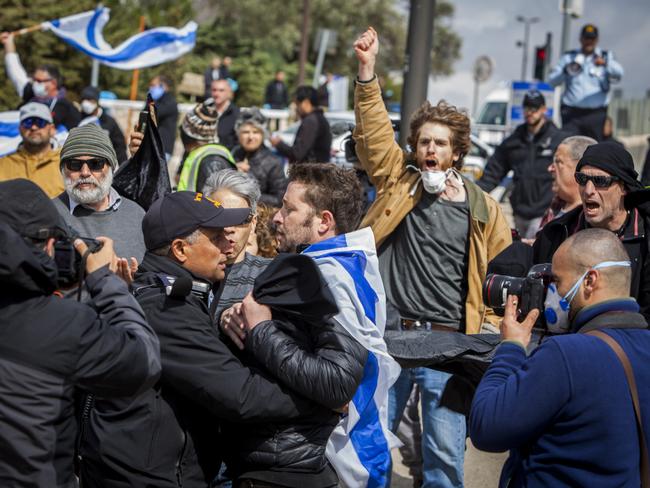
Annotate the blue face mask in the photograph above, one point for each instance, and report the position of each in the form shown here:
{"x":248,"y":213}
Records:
{"x":556,"y":307}
{"x":156,"y":92}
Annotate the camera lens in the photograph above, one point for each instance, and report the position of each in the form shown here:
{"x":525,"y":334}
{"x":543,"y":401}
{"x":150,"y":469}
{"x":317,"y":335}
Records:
{"x":496,"y":289}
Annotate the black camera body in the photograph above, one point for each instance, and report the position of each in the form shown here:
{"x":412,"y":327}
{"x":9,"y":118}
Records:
{"x":531,"y":290}
{"x":69,"y":262}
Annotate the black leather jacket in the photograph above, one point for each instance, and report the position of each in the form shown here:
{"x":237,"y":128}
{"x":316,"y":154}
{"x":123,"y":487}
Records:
{"x":318,"y":360}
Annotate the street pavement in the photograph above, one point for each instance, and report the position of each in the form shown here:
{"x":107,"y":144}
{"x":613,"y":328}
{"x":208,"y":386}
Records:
{"x":482,"y":469}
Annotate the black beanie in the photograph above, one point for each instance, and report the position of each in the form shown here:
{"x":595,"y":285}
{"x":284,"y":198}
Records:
{"x":614,"y":159}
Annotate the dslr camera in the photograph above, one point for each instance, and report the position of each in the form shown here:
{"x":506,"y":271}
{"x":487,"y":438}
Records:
{"x":530,"y":290}
{"x":68,"y":261}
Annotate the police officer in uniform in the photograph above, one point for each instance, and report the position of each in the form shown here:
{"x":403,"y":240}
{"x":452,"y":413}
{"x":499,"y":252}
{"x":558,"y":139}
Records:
{"x":587,"y":73}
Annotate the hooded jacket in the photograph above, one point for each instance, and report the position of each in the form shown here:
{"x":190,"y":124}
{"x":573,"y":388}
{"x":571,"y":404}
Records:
{"x":169,"y":435}
{"x":49,"y":346}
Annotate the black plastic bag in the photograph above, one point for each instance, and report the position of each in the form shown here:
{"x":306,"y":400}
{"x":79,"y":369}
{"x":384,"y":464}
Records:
{"x":145,"y":178}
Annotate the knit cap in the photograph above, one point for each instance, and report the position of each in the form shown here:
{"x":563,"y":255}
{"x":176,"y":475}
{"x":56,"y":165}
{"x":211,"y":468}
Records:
{"x":252,"y":116}
{"x":89,"y":140}
{"x":201,"y":123}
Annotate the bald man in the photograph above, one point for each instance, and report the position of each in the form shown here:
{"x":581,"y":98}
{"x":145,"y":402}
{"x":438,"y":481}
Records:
{"x":566,"y":412}
{"x":222,"y":93}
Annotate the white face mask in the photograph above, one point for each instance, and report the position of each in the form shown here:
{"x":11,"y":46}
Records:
{"x":39,"y":89}
{"x":88,"y":106}
{"x":434,"y":181}
{"x":556,"y":307}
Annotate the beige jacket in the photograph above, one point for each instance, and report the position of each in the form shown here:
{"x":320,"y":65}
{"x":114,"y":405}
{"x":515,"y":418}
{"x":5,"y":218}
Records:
{"x":398,"y":192}
{"x":43,"y":169}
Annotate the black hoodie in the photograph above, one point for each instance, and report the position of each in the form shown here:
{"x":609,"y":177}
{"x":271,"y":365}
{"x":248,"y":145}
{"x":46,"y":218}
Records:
{"x":49,"y":346}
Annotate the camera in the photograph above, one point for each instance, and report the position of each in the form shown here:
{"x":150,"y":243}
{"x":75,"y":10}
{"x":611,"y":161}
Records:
{"x":69,"y":262}
{"x":530,"y":290}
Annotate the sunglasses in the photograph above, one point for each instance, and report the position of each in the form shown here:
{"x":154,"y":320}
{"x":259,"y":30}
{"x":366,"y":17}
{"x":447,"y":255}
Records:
{"x":29,"y":122}
{"x":94,"y":165}
{"x":599,"y":181}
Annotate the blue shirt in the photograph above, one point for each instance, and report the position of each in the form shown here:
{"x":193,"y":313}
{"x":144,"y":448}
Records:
{"x":587,"y":85}
{"x":566,"y":411}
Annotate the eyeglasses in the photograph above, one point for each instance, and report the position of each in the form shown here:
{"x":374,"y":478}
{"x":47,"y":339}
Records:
{"x":599,"y":181}
{"x":94,"y":165}
{"x":43,"y":81}
{"x":29,"y":122}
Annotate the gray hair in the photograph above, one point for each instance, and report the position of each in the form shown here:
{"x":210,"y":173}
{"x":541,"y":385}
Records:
{"x":577,"y":145}
{"x":164,"y":250}
{"x":241,"y":184}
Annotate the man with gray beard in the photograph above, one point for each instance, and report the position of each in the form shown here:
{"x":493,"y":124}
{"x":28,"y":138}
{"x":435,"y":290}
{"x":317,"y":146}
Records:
{"x":89,"y":205}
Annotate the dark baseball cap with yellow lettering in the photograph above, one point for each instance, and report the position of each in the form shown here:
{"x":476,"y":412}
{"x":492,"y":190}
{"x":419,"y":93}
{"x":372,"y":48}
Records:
{"x":181,"y":213}
{"x":589,"y":31}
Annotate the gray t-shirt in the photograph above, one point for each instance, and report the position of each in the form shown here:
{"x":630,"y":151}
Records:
{"x":424,"y":262}
{"x":239,"y":281}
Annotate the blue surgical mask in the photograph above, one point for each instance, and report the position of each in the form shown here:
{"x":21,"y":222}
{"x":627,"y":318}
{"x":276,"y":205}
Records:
{"x":156,"y":91}
{"x":556,"y":307}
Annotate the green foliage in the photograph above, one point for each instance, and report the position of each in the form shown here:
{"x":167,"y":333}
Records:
{"x":261,"y":37}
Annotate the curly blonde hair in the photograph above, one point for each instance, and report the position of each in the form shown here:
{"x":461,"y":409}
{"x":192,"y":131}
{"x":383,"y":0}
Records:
{"x":267,"y":243}
{"x":444,"y":114}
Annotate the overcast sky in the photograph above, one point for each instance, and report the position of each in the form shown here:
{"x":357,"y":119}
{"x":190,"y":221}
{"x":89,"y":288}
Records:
{"x":489,"y":27}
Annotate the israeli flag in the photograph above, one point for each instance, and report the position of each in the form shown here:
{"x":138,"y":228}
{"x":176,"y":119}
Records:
{"x":149,"y":48}
{"x":359,"y":448}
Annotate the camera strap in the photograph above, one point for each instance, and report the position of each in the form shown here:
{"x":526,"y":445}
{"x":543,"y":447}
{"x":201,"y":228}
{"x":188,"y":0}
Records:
{"x":631,"y":383}
{"x":82,"y":273}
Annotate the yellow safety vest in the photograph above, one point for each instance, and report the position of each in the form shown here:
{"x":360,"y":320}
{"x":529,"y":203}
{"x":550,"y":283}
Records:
{"x":190,"y":171}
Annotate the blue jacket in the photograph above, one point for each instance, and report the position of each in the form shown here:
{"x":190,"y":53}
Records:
{"x":565,"y":412}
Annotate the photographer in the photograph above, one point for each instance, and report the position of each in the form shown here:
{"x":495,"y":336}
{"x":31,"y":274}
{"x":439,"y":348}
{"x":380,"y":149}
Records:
{"x":566,"y":411}
{"x":49,"y":346}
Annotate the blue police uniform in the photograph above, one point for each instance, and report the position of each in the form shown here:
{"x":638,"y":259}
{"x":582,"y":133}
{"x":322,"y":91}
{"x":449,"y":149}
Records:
{"x":585,"y":99}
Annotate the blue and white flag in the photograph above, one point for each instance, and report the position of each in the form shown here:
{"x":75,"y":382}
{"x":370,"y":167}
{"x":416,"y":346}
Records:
{"x":359,"y":448}
{"x":149,"y":48}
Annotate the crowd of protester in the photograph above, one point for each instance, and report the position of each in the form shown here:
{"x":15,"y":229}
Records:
{"x":180,"y":349}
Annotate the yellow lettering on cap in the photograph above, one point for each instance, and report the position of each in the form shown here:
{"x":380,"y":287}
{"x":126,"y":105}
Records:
{"x":198,"y":197}
{"x":216,"y":203}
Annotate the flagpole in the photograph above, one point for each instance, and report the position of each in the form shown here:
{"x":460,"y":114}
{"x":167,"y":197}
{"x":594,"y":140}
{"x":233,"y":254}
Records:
{"x":27,"y":30}
{"x":134,"y":83}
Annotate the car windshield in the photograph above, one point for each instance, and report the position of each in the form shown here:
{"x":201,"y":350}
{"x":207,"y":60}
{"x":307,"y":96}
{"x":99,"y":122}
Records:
{"x":494,"y":113}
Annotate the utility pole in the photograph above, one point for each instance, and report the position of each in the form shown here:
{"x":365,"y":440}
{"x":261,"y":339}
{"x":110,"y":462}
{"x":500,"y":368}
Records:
{"x":566,"y":26}
{"x":304,"y":42}
{"x":527,"y":21}
{"x":417,"y":61}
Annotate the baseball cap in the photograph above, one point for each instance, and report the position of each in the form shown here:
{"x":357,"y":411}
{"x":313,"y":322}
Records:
{"x":590,"y":31}
{"x":534,"y":98}
{"x":29,"y":211}
{"x":90,"y":93}
{"x":35,"y":109}
{"x":181,"y":213}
